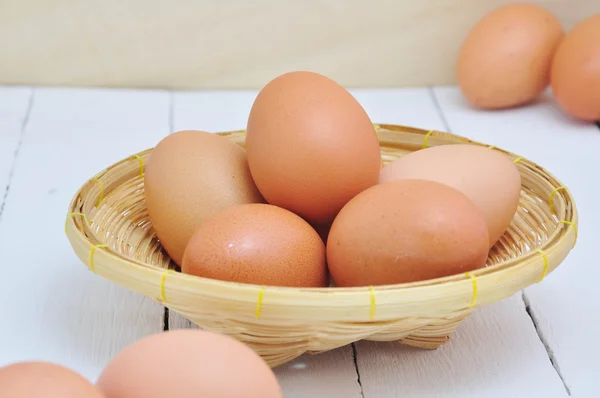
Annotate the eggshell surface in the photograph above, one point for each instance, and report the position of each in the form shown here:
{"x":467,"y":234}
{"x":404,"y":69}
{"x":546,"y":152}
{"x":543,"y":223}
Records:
{"x":260,"y":244}
{"x":488,"y":178}
{"x":188,"y":363}
{"x":575,"y":77}
{"x":505,"y":58}
{"x":44,"y":380}
{"x":311,"y":146}
{"x":190,"y":176}
{"x":405,"y":231}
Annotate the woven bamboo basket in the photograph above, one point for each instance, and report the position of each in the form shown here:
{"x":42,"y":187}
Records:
{"x":109,"y":229}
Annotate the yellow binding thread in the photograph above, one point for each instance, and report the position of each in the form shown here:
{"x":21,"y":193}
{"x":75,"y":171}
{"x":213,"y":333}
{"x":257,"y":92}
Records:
{"x":373,"y":302}
{"x":163,"y":279}
{"x":141,"y":162}
{"x":517,"y":160}
{"x":474,"y":298}
{"x":572,"y":224}
{"x":491,"y":146}
{"x":545,"y":264}
{"x":76,"y":214}
{"x":426,"y":139}
{"x":101,"y":196}
{"x":261,"y":294}
{"x":102,"y":246}
{"x":554,"y":191}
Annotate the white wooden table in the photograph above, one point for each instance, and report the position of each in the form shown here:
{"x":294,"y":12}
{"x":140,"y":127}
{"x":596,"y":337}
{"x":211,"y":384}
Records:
{"x":538,"y":343}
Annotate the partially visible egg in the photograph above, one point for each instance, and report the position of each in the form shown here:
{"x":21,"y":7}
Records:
{"x":188,"y":363}
{"x":505,"y":59}
{"x":405,"y":231}
{"x":575,"y":75}
{"x":488,"y":178}
{"x":260,"y":244}
{"x":44,"y":380}
{"x":190,"y":176}
{"x":311,"y":145}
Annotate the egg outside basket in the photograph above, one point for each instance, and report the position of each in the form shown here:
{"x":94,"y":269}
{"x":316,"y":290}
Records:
{"x":109,"y":229}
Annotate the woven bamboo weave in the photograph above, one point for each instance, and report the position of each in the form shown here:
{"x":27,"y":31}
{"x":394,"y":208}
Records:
{"x":109,"y":229}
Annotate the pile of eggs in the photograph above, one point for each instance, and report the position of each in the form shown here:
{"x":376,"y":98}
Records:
{"x":518,"y":50}
{"x":185,"y":363}
{"x":307,"y":202}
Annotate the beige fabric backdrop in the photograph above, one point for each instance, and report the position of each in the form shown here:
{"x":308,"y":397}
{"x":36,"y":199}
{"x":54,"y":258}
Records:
{"x":240,"y":43}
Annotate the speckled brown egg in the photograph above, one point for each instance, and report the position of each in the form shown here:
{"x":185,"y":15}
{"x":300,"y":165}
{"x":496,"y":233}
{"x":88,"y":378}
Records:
{"x":311,"y":145}
{"x":259,"y":244}
{"x":190,"y":176}
{"x":44,"y":380}
{"x":405,"y":231}
{"x":188,"y":363}
{"x":488,"y":178}
{"x":505,"y":59}
{"x":575,"y":76}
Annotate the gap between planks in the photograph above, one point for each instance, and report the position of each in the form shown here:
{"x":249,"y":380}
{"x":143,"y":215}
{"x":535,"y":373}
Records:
{"x":17,"y":151}
{"x":528,"y":309}
{"x":542,"y":338}
{"x":355,"y":358}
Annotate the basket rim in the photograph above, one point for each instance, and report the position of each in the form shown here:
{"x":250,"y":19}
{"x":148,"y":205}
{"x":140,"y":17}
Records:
{"x":80,"y":232}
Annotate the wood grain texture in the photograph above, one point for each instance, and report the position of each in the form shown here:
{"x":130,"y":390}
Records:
{"x":494,"y":353}
{"x":240,"y":44}
{"x":53,"y":307}
{"x":564,"y":305}
{"x":14,"y":108}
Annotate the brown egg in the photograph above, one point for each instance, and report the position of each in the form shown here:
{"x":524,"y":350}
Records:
{"x":190,"y":176}
{"x":259,"y":244}
{"x":575,"y":74}
{"x":488,"y":178}
{"x":188,"y":363}
{"x":405,"y":231}
{"x":505,"y":58}
{"x":311,"y":146}
{"x":44,"y":380}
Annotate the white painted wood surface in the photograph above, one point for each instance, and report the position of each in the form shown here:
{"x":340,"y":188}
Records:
{"x":54,"y":309}
{"x":566,"y":306}
{"x":14,"y":104}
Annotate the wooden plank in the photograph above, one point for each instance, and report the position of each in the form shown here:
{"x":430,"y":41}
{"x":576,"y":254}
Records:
{"x":55,"y":309}
{"x":240,"y":44}
{"x":563,"y":306}
{"x":212,"y":111}
{"x":494,"y":353}
{"x":496,"y":350}
{"x":14,"y":108}
{"x":215,"y":111}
